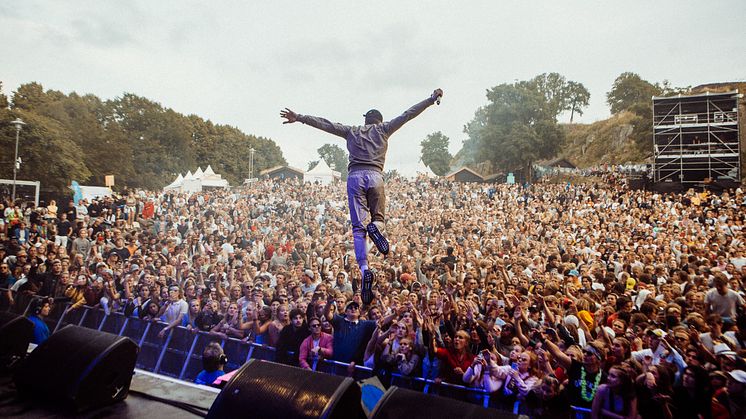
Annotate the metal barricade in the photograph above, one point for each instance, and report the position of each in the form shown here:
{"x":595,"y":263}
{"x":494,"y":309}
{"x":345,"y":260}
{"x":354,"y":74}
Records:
{"x":175,"y":351}
{"x":237,"y":352}
{"x":70,"y":317}
{"x":114,"y":323}
{"x":151,"y":347}
{"x":193,"y":362}
{"x":263,"y":352}
{"x":580,"y":412}
{"x":343,"y":369}
{"x":92,"y":318}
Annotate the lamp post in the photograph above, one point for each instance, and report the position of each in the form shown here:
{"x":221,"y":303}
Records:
{"x":251,"y":163}
{"x":18,"y":123}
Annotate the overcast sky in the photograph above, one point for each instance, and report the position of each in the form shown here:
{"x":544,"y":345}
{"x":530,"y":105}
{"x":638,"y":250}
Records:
{"x":238,"y":63}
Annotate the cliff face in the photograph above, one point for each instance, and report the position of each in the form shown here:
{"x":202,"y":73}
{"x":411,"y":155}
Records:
{"x":609,"y":141}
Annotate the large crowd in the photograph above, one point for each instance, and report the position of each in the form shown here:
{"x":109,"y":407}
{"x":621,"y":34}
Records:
{"x":627,"y":303}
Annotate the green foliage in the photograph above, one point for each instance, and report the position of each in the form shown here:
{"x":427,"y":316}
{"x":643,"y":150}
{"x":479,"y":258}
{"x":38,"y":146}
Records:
{"x":435,"y":153}
{"x":335,"y":157}
{"x":312,"y":164}
{"x":628,"y":90}
{"x":516,"y":128}
{"x":73,"y":137}
{"x":561,"y":95}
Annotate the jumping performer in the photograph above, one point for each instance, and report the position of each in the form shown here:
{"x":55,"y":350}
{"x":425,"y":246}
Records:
{"x":367,"y":147}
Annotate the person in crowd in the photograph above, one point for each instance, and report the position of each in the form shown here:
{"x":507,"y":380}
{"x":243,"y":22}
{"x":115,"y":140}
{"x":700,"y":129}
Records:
{"x":318,"y":345}
{"x":692,"y":396}
{"x":39,"y":311}
{"x":173,"y":310}
{"x":291,"y":337}
{"x":404,"y":360}
{"x":351,"y":334}
{"x":230,"y":325}
{"x":456,"y":358}
{"x":616,"y":398}
{"x":213,"y":362}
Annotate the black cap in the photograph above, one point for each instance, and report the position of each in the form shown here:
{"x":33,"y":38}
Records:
{"x":352,"y":304}
{"x":374,"y":114}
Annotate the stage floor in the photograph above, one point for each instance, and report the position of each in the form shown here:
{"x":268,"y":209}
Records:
{"x":135,"y":406}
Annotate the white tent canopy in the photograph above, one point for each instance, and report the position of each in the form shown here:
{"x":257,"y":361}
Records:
{"x":421,"y":169}
{"x":195,"y":182}
{"x":176,"y":184}
{"x":321,"y":173}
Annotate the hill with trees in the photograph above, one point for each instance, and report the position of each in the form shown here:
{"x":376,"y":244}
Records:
{"x":142,"y":143}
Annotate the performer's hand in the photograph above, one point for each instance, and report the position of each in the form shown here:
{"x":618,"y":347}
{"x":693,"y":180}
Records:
{"x":436,"y":93}
{"x":289,"y":115}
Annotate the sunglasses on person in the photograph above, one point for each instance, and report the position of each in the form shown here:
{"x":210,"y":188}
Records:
{"x":315,"y":325}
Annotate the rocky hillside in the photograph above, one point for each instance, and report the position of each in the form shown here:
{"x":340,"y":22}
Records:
{"x":609,"y":141}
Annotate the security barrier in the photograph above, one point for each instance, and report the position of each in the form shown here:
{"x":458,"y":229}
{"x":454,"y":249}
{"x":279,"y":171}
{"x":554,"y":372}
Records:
{"x":178,"y":353}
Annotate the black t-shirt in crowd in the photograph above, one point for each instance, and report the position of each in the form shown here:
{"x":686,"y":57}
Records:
{"x":574,"y":384}
{"x":63,"y":228}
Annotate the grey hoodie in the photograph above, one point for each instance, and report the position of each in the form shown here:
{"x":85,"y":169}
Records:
{"x":367,"y":144}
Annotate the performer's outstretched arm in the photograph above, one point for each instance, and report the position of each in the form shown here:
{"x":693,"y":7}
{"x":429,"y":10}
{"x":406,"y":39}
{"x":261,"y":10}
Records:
{"x":316,"y":122}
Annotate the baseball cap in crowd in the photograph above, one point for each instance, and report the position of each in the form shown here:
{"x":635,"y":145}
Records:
{"x":658,"y":332}
{"x":738,"y":375}
{"x":352,"y":304}
{"x":308,"y":273}
{"x":134,"y":267}
{"x":101,"y":265}
{"x":631,"y":284}
{"x":573,"y":272}
{"x":374,"y":114}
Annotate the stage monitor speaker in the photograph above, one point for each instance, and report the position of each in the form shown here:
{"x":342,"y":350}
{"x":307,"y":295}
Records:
{"x":78,"y":368}
{"x":402,"y":403}
{"x":263,"y":389}
{"x":16,"y":332}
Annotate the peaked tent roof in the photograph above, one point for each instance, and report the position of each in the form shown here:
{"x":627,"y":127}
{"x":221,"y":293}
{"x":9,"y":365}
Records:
{"x":176,"y":183}
{"x":199,"y":174}
{"x":209,"y":171}
{"x":421,"y":169}
{"x":322,"y":169}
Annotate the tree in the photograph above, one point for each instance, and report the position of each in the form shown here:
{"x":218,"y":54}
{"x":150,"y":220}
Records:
{"x":335,"y":157}
{"x":560,"y":94}
{"x":435,"y":153}
{"x":628,"y":90}
{"x":516,"y":128}
{"x":579,"y":98}
{"x":312,"y":164}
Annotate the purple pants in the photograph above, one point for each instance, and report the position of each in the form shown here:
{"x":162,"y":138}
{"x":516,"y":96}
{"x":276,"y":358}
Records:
{"x":367,"y":201}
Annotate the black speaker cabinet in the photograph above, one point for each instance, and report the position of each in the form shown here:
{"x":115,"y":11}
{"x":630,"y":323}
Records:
{"x":78,"y":369}
{"x":15,"y":334}
{"x":263,"y":389}
{"x":402,"y":403}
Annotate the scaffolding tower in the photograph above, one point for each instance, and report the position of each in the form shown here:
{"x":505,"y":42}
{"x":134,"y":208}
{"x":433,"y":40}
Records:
{"x":696,"y":137}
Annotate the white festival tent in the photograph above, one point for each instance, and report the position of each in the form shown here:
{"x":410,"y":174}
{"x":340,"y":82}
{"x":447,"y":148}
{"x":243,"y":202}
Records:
{"x":195,"y":182}
{"x":176,"y":184}
{"x":321,"y":173}
{"x":210,"y":179}
{"x":421,"y":169}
